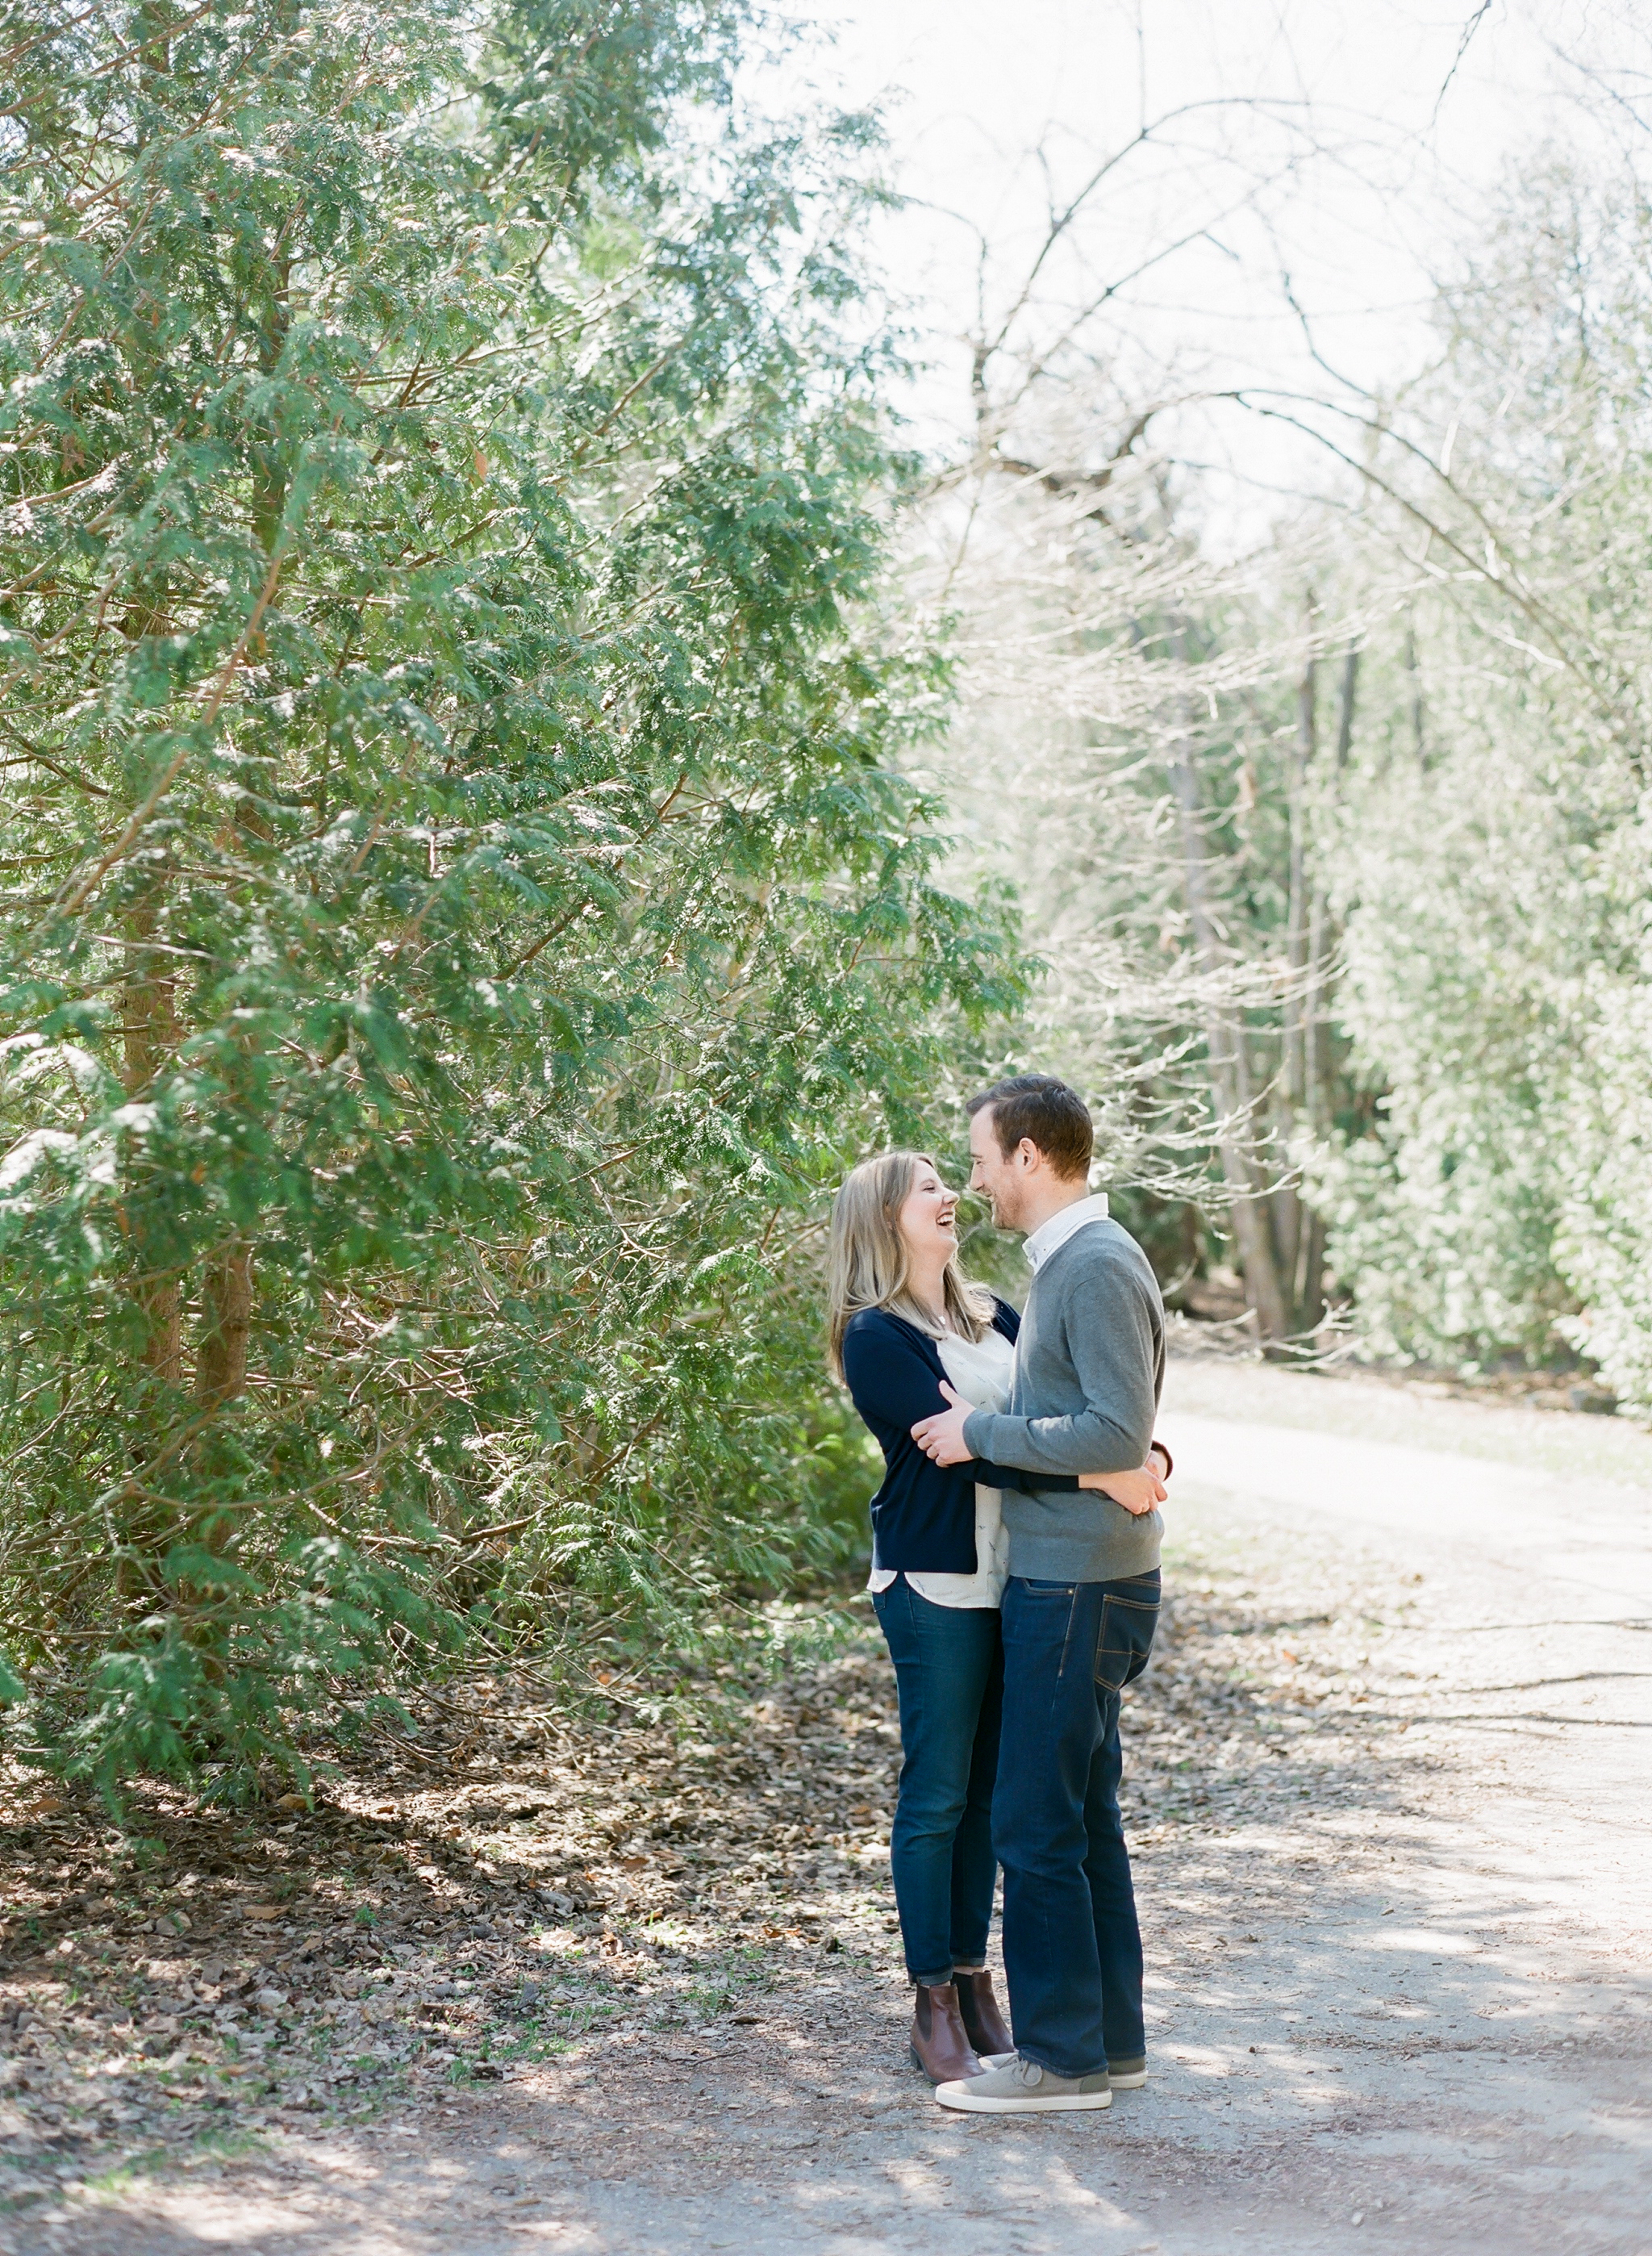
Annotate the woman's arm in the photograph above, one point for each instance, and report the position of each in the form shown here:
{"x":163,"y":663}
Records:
{"x":889,"y":1380}
{"x":1138,"y":1491}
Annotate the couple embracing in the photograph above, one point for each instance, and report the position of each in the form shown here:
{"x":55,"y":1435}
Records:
{"x":1016,"y":1574}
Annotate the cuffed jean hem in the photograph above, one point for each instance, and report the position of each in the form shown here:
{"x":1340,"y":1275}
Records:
{"x":1054,"y":2066}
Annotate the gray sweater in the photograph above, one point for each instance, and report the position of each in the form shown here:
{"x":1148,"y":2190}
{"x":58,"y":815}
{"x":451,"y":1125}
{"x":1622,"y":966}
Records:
{"x":1089,"y":1370}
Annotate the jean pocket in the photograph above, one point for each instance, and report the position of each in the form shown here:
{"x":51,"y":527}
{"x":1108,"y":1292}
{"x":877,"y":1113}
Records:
{"x":1047,"y":1589}
{"x":1126,"y":1641}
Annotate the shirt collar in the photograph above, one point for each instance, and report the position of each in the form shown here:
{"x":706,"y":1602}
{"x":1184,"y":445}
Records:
{"x":1043,"y":1242}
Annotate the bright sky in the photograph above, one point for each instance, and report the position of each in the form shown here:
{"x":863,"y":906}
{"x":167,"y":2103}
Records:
{"x":1343,"y":144}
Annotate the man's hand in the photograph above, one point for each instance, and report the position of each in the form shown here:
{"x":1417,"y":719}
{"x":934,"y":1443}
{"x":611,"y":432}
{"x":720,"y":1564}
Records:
{"x":942,"y":1436}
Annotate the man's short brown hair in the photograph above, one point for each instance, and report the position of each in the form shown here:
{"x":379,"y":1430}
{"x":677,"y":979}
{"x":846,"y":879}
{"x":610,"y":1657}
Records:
{"x":1038,"y":1105}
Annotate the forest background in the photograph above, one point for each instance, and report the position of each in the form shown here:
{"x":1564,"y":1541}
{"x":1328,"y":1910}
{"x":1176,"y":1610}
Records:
{"x":526,"y":756}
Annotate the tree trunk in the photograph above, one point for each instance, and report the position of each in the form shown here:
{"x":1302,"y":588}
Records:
{"x":1308,"y":1294}
{"x":1345,"y":723}
{"x":149,"y":1038}
{"x":1309,"y":1281}
{"x":1290,"y":1237}
{"x":1296,"y":913}
{"x":1418,"y":730}
{"x":1228,"y":1069}
{"x":1316,"y":1063}
{"x":1312,"y":1049}
{"x":221,"y":1365}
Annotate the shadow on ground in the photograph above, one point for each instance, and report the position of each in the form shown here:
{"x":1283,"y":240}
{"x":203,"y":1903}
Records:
{"x":1348,"y":2020}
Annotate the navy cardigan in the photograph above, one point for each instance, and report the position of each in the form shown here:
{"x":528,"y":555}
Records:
{"x":924,"y":1516}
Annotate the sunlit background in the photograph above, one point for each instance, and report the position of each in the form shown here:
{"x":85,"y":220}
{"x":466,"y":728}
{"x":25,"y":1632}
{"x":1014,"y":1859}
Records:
{"x":1284,"y":184}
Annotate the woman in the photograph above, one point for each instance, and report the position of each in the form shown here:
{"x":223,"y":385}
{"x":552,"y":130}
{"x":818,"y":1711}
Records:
{"x":904,"y":1317}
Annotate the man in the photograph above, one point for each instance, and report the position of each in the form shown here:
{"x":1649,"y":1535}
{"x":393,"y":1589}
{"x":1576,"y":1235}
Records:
{"x":1079,"y":1608}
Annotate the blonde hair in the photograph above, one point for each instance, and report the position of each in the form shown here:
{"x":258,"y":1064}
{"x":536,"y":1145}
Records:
{"x":868,"y":1267}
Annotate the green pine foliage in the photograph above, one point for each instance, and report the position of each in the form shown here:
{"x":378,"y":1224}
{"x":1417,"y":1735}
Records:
{"x":460,"y":904}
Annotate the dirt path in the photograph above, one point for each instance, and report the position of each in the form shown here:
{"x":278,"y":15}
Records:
{"x":1390,"y":1800}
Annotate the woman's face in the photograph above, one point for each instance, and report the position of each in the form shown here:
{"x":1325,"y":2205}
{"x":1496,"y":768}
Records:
{"x":926,"y":1219}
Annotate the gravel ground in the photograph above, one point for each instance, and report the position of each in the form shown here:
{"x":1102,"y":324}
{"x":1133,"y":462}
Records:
{"x":615,"y":1992}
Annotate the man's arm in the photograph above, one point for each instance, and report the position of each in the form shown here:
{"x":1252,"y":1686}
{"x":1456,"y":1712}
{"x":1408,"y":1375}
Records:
{"x":889,"y":1381}
{"x":1109,"y":1337}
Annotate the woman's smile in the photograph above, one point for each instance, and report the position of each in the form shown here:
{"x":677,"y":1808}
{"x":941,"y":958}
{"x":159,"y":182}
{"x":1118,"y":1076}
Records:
{"x":929,"y":1213}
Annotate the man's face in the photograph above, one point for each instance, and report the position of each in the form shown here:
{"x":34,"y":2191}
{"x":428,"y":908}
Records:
{"x":1001,"y":1179}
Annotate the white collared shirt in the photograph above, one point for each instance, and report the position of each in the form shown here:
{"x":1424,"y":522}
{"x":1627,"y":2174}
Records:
{"x":1043,"y":1242}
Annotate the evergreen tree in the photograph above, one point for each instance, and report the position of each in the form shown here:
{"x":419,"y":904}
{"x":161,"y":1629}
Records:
{"x":460,"y":904}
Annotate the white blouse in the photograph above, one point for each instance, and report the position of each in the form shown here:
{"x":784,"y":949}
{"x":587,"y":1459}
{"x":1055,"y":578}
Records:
{"x":980,"y":1370}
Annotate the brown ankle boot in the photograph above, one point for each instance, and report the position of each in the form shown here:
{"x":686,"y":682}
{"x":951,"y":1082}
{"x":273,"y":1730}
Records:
{"x":940,"y":2044}
{"x":984,"y":2024}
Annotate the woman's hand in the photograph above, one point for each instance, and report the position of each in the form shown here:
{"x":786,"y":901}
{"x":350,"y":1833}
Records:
{"x":1137,"y":1491}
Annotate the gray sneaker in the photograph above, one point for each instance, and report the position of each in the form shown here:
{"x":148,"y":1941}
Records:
{"x":1023,"y":2088}
{"x":1122,"y":2075}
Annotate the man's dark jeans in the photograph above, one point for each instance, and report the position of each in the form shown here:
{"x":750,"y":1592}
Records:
{"x":1072,"y":1949}
{"x":948,"y":1673}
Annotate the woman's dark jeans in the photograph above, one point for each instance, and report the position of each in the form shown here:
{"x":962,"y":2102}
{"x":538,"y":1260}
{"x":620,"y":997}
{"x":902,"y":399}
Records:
{"x":949,"y":1673}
